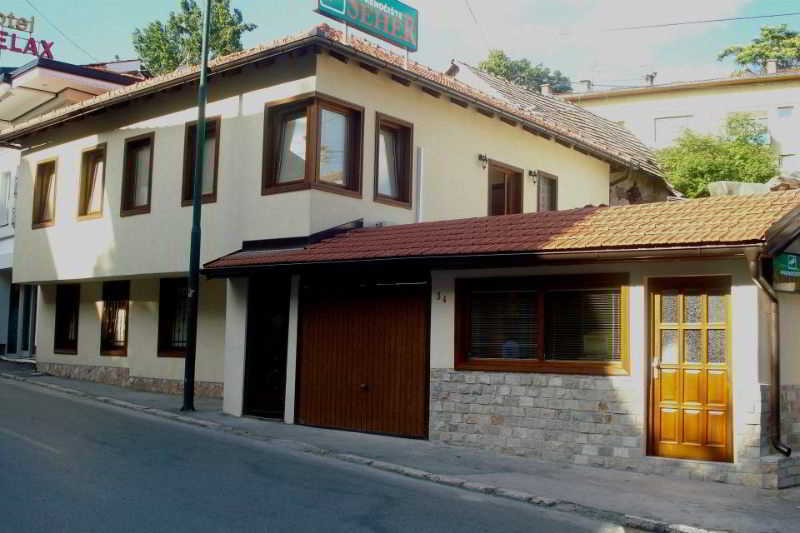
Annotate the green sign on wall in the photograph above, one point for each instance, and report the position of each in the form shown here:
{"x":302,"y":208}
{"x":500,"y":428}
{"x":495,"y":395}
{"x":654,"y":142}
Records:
{"x":786,"y":275}
{"x":390,"y":20}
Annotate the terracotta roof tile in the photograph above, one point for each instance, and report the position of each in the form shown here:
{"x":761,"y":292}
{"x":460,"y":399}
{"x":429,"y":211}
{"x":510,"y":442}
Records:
{"x":722,"y":220}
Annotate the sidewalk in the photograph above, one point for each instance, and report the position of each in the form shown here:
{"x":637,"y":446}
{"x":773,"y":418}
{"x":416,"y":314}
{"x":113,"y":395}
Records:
{"x":620,"y":497}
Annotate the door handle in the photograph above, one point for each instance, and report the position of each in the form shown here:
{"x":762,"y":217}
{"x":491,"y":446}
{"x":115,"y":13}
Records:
{"x":364,"y":387}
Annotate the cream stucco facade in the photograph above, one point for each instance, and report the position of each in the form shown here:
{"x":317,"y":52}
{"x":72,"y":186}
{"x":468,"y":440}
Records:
{"x":658,"y":114}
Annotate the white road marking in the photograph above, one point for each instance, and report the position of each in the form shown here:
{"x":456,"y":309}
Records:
{"x":29,"y":440}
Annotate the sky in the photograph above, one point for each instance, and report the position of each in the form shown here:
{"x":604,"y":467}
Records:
{"x":569,"y":35}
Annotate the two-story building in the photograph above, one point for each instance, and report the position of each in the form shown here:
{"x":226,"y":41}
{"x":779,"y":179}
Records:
{"x":389,"y":249}
{"x":34,"y":89}
{"x":659,"y":113}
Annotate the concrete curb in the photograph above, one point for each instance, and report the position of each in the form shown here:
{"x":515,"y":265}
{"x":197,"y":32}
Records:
{"x":638,"y":522}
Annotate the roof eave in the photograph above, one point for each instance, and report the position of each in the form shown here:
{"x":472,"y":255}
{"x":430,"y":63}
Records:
{"x":504,"y":259}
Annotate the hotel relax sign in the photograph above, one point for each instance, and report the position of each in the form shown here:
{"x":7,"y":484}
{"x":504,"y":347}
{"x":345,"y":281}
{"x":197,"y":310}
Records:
{"x":21,"y":44}
{"x":390,"y":20}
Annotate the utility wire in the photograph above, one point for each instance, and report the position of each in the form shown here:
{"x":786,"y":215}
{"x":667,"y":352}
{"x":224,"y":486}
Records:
{"x":478,"y":24}
{"x":76,"y":45}
{"x":625,"y":28}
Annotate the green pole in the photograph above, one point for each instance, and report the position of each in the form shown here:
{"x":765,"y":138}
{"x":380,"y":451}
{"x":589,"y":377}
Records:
{"x":197,"y":192}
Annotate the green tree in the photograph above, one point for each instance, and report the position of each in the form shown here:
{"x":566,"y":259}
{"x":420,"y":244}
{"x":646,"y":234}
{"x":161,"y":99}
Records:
{"x":739,"y":154}
{"x":774,"y":42}
{"x":165,"y":46}
{"x":524,"y":73}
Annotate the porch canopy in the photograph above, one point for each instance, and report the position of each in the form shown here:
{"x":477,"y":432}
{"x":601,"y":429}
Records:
{"x":708,"y":227}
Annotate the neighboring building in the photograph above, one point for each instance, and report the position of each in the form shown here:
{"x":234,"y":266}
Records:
{"x":32,"y":90}
{"x":634,"y":337}
{"x":658,"y":114}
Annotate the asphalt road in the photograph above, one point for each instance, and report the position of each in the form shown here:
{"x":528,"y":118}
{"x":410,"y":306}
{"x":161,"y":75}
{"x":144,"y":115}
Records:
{"x":72,"y":465}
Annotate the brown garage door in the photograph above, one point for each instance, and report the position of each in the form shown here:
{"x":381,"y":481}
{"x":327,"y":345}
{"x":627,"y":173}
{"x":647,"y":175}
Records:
{"x":363,"y":361}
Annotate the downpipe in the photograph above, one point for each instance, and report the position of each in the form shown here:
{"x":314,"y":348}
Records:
{"x":754,"y":261}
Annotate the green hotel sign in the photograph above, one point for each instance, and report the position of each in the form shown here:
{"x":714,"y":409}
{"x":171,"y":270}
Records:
{"x":786,"y":275}
{"x":390,"y":20}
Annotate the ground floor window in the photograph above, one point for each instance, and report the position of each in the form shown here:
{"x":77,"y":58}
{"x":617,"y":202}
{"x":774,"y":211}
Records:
{"x":114,"y":323}
{"x":68,"y":299}
{"x":173,"y":317}
{"x":569,"y":324}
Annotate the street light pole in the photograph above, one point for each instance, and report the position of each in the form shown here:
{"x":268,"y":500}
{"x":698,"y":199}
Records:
{"x":197,"y":192}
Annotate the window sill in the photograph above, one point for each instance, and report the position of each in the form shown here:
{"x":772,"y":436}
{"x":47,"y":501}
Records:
{"x":172,"y":354}
{"x":546,"y":367}
{"x":65,"y":352}
{"x":205,"y":199}
{"x":135,"y":211}
{"x":40,"y":225}
{"x":114,"y":353}
{"x":285,"y":187}
{"x":387,"y":200}
{"x":335,"y":189}
{"x":305,"y":185}
{"x":90,"y":216}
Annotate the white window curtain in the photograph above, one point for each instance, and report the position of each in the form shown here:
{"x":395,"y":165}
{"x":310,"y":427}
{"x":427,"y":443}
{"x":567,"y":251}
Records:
{"x":49,"y":194}
{"x":141,"y":176}
{"x":387,"y":164}
{"x":292,"y":164}
{"x":209,"y":157}
{"x":95,"y":192}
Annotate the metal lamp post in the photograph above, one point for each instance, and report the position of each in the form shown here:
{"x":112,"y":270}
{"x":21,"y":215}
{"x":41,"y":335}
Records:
{"x":197,"y":192}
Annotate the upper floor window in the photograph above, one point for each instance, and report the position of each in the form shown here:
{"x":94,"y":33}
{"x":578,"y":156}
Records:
{"x":44,"y":194}
{"x":505,"y":189}
{"x":393,"y":160}
{"x":210,"y":161}
{"x":547,"y":185}
{"x":6,"y":192}
{"x":137,"y":175}
{"x":114,"y":323}
{"x":668,"y":129}
{"x":173,"y":317}
{"x":68,"y":299}
{"x":785,"y":111}
{"x":314,"y":142}
{"x":93,"y":164}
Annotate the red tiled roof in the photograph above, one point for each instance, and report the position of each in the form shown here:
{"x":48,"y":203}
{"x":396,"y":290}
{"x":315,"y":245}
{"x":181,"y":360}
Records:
{"x":553,"y":123}
{"x":718,"y":221}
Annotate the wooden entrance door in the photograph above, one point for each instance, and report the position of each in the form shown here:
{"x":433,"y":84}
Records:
{"x":363,"y":362}
{"x":690,"y":369}
{"x":267,"y":342}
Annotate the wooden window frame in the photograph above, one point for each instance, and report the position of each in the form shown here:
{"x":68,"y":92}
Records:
{"x":542,"y":175}
{"x":83,"y":189}
{"x":163,"y":321}
{"x":116,"y":352}
{"x":64,"y":350}
{"x":36,"y":223}
{"x":127,"y":193}
{"x":313,"y":103}
{"x":188,"y":162}
{"x":405,"y":179}
{"x":541,"y":284}
{"x":508,"y":169}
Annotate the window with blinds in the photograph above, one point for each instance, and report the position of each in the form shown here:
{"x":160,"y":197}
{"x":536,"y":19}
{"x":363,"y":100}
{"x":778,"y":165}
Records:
{"x":173,"y":317}
{"x":571,"y":324}
{"x":114,"y":323}
{"x":68,"y":299}
{"x":583,"y":325}
{"x":503,"y":325}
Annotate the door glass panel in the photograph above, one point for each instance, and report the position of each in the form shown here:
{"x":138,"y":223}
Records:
{"x":693,"y":348}
{"x":669,"y":307}
{"x":669,"y":346}
{"x":693,"y":308}
{"x":716,"y":346}
{"x":716,"y":308}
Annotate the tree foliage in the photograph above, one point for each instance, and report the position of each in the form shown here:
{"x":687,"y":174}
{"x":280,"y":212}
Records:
{"x":524,"y":73}
{"x":774,"y":42}
{"x":739,"y":154}
{"x":165,"y":46}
